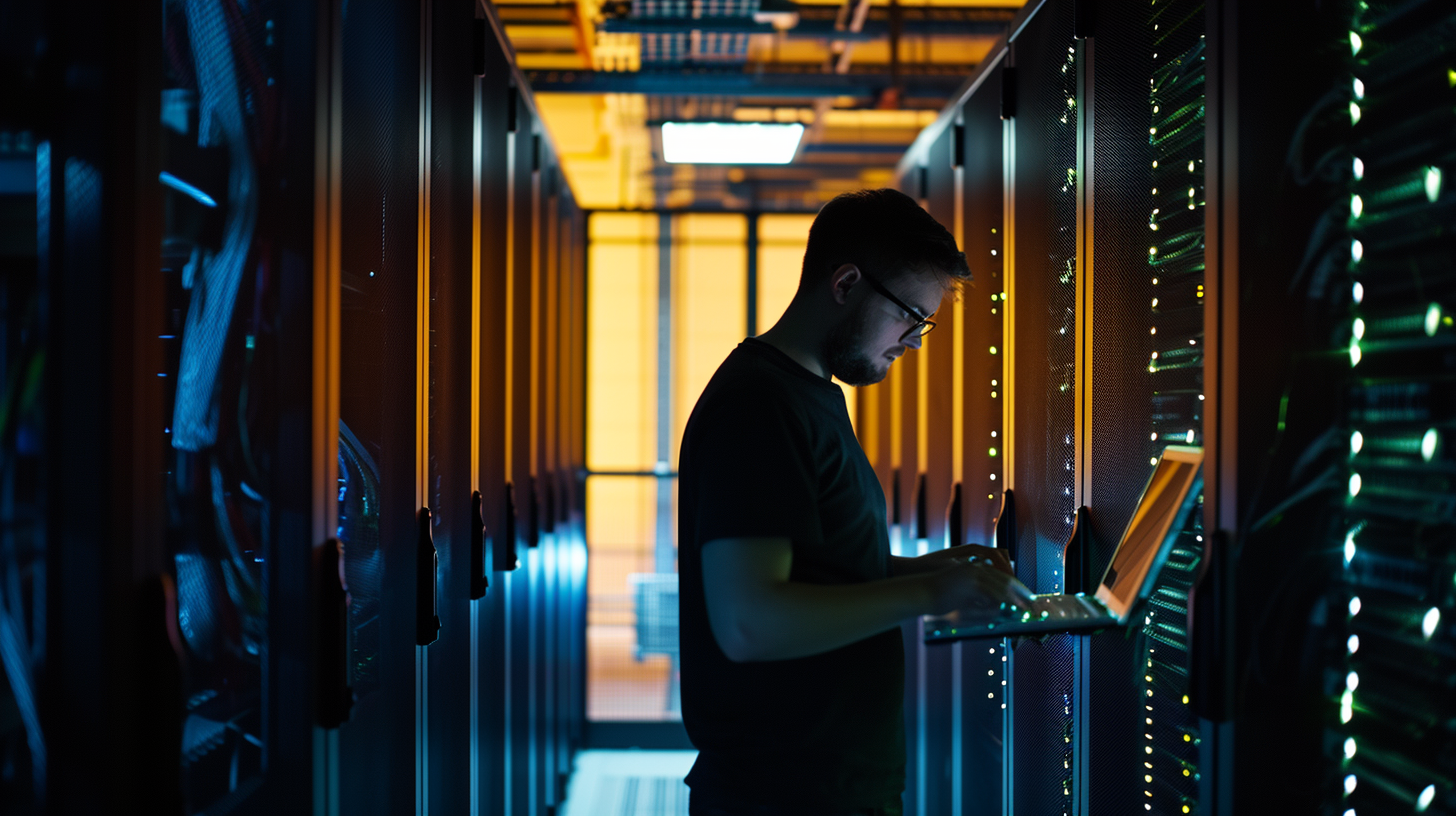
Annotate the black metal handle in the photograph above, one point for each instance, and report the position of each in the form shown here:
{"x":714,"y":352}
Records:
{"x":922,"y":513}
{"x":533,"y":514}
{"x":479,"y":582}
{"x":334,"y":696}
{"x":1077,"y":554}
{"x":1006,"y":524}
{"x":505,"y":556}
{"x":1008,"y":92}
{"x":955,"y":517}
{"x":548,"y":515}
{"x":427,"y":561}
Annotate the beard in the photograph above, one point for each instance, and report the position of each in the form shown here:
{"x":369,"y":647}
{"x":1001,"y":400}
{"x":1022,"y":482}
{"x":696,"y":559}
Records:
{"x":843,"y":355}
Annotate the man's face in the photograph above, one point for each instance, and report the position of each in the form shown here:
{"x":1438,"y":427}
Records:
{"x":872,"y":335}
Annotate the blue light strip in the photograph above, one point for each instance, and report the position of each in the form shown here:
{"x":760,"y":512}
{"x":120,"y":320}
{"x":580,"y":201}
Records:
{"x":187,"y":189}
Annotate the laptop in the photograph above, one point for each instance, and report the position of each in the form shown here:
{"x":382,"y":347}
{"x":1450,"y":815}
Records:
{"x":1162,"y":513}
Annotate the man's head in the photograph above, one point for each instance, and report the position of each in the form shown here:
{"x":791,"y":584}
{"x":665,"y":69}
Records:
{"x":876,"y":268}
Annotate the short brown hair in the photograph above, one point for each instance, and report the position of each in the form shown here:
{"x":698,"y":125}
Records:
{"x":885,"y":233}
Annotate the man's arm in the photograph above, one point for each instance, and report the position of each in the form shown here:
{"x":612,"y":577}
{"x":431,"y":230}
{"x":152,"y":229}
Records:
{"x":940,"y":559}
{"x":757,"y":613}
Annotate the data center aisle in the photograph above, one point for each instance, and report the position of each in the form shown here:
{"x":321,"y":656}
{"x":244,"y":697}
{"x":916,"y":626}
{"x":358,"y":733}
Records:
{"x":629,"y":783}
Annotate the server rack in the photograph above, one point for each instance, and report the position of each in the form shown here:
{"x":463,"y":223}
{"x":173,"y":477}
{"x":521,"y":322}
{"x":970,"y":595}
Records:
{"x":294,"y":418}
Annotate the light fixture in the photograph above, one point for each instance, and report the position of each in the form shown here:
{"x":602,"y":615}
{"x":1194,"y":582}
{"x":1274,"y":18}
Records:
{"x":730,"y":142}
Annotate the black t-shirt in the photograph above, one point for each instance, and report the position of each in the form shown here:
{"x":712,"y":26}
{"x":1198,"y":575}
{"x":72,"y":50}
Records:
{"x":769,"y":452}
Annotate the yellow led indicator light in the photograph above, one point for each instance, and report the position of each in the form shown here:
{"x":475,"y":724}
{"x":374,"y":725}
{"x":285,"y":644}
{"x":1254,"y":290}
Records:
{"x":1359,"y":168}
{"x":1357,"y":251}
{"x":1430,"y":622}
{"x":1350,"y":748}
{"x":993,"y":451}
{"x":1426,"y":798}
{"x":1357,"y":206}
{"x":1354,"y":606}
{"x":1358,"y":292}
{"x":1359,"y":88}
{"x":1433,"y":183}
{"x":1433,"y":319}
{"x":1357,"y":441}
{"x":1354,"y":114}
{"x":993,"y":349}
{"x":1355,"y":43}
{"x":1451,"y":77}
{"x":1359,"y":329}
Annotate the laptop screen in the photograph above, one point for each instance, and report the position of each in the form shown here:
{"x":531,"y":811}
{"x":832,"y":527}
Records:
{"x":1151,"y":524}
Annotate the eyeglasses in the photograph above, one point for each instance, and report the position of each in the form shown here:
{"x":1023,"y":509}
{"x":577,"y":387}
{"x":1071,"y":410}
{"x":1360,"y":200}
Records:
{"x":922,"y":326}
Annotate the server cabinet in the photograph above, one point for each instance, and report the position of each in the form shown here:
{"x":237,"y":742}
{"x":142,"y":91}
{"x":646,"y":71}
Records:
{"x":249,"y":264}
{"x":447,"y":404}
{"x":1042,"y":428}
{"x":379,"y":383}
{"x":980,"y":693}
{"x":1142,"y":382}
{"x":1330,"y":346}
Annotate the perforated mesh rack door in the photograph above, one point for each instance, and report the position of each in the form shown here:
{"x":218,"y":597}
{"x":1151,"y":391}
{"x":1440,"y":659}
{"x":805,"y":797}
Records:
{"x":1144,"y":177}
{"x":1044,"y":300}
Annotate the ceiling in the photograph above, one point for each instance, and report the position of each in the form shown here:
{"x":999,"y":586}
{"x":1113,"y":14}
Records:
{"x":864,"y":76}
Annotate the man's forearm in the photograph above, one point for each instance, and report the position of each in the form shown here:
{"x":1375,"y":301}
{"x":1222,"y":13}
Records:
{"x":788,"y":619}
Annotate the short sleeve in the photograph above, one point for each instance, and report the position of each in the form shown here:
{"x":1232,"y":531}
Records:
{"x":752,"y":460}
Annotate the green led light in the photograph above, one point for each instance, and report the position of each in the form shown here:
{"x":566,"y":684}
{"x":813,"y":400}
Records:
{"x":1357,"y":251}
{"x":1358,"y":329}
{"x":1433,"y":183}
{"x":1428,"y":795}
{"x":1354,"y":485}
{"x":993,"y":451}
{"x":1347,"y":706}
{"x":1354,"y":353}
{"x":1357,"y":441}
{"x":1354,"y":114}
{"x":1349,"y":748}
{"x":1429,"y":442}
{"x":1359,"y":88}
{"x":1433,"y":319}
{"x":1430,"y":622}
{"x":1359,"y":168}
{"x":1355,"y":43}
{"x":1357,"y":206}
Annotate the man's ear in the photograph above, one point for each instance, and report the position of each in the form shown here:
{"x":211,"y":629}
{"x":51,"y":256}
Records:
{"x":843,"y":280}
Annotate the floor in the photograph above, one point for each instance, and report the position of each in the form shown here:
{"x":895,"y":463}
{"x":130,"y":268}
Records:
{"x":629,"y":783}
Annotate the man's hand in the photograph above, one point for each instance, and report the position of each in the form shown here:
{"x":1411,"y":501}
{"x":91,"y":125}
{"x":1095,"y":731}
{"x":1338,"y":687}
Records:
{"x":952,"y":556}
{"x":975,"y":584}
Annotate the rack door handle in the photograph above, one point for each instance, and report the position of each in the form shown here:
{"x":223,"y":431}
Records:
{"x":427,"y":562}
{"x":479,"y":581}
{"x":955,"y":517}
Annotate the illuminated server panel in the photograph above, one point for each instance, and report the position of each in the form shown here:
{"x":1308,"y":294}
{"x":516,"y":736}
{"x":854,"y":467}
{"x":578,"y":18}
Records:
{"x":1145,"y":304}
{"x":1389,"y":747}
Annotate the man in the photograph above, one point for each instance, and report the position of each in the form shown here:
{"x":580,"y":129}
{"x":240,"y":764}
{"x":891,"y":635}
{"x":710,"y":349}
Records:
{"x":792,"y":659}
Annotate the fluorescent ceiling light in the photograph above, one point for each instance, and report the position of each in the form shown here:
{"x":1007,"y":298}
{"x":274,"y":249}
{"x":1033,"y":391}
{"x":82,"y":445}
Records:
{"x":730,"y":142}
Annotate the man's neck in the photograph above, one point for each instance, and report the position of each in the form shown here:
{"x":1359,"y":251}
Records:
{"x":799,"y":348}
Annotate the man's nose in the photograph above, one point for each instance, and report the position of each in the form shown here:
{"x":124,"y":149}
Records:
{"x":913,"y":341}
